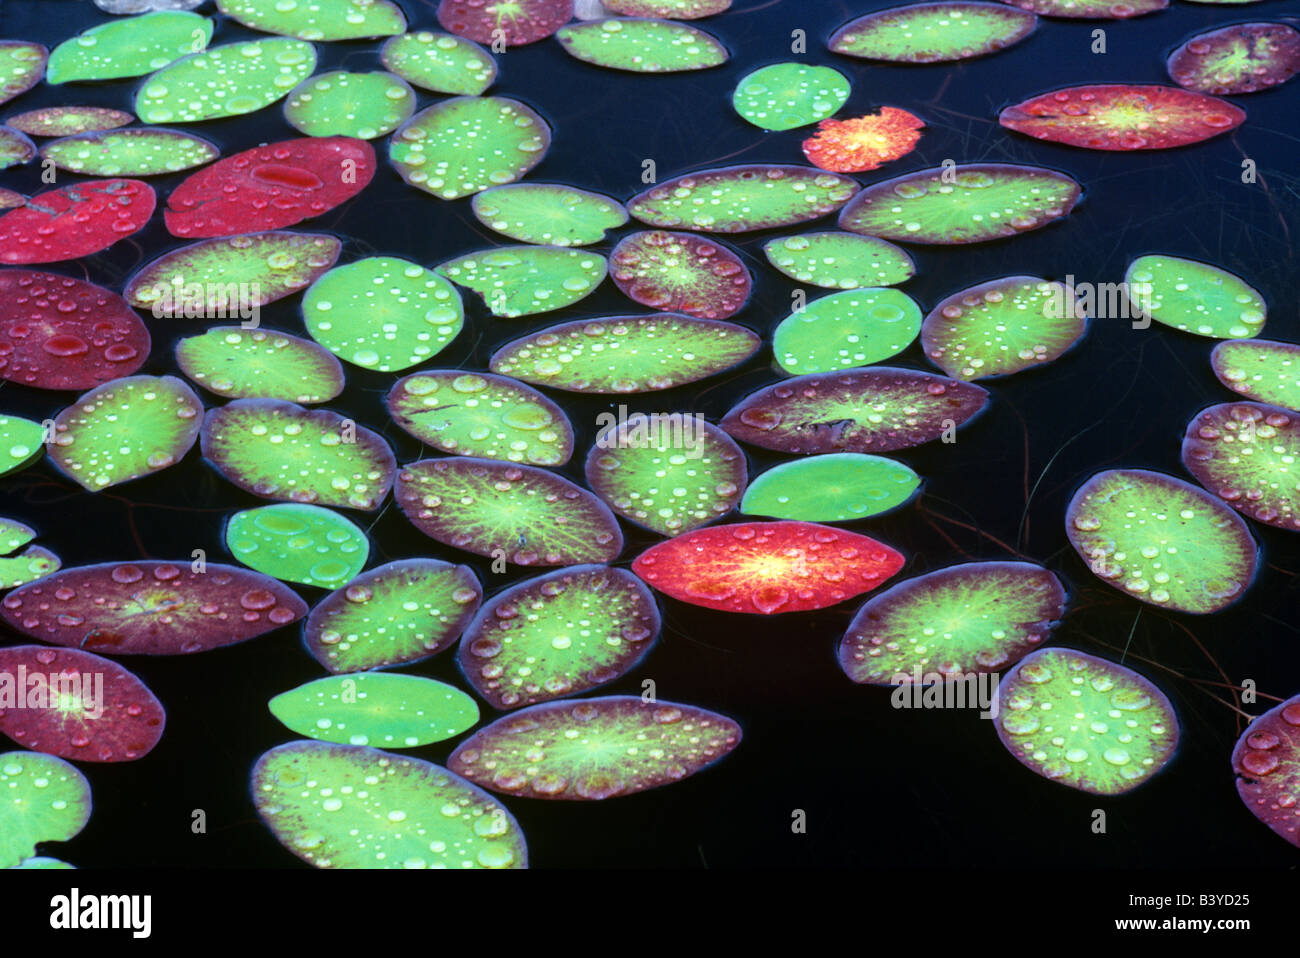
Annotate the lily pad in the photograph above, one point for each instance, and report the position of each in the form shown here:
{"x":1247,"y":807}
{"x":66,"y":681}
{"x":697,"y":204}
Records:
{"x":524,"y":515}
{"x":766,"y":568}
{"x":861,"y":410}
{"x":69,"y":120}
{"x":34,"y":563}
{"x":844,"y":330}
{"x":560,"y":634}
{"x":21,"y":443}
{"x":1195,"y":297}
{"x":293,"y":542}
{"x":318,"y":19}
{"x":526,"y":280}
{"x":43,"y":862}
{"x":260,"y":364}
{"x":46,"y":800}
{"x":1248,"y":454}
{"x":642,"y":46}
{"x":65,"y":333}
{"x":376,"y":708}
{"x":468,"y":143}
{"x":978,"y":617}
{"x":125,"y":429}
{"x":228,"y":80}
{"x":478,"y":414}
{"x":1262,"y":370}
{"x":839,"y":260}
{"x":863,"y":143}
{"x":835,"y":487}
{"x":1266,"y":761}
{"x":668,"y":9}
{"x":279,"y":450}
{"x":400,"y":612}
{"x":1090,"y":9}
{"x":514,"y":23}
{"x":681,"y":273}
{"x":785,"y":96}
{"x":151,"y":608}
{"x":270,"y":187}
{"x":738,"y":199}
{"x":1002,"y":327}
{"x":548,"y":213}
{"x":961,"y":204}
{"x":1161,"y":540}
{"x":14,"y":535}
{"x":76,"y":705}
{"x":410,"y":814}
{"x":1242,"y":58}
{"x":129,"y":152}
{"x":10,"y":200}
{"x":22,"y":65}
{"x":74,"y":221}
{"x":128,"y":48}
{"x":594,"y":749}
{"x":668,"y":472}
{"x":383,"y":313}
{"x":933,"y":32}
{"x":145,"y":6}
{"x":626,"y":354}
{"x":15,"y":148}
{"x":363,"y":105}
{"x":440,"y":62}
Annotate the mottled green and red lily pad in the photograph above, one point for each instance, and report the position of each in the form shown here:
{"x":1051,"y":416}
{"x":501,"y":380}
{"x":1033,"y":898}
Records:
{"x":862,"y":410}
{"x":318,"y":19}
{"x":512,"y":22}
{"x":15,"y":148}
{"x":933,"y":32}
{"x":69,"y":120}
{"x":668,"y":9}
{"x":1248,"y":454}
{"x":134,"y":152}
{"x":74,"y":221}
{"x":522,"y":514}
{"x":78,"y":705}
{"x":149,"y":607}
{"x":22,"y":65}
{"x":681,"y":273}
{"x":47,"y":800}
{"x":738,"y":199}
{"x":642,"y":46}
{"x":1090,"y":9}
{"x":594,"y":749}
{"x":260,"y":364}
{"x":1266,"y":760}
{"x":766,"y":568}
{"x":1260,"y":369}
{"x":1242,"y":58}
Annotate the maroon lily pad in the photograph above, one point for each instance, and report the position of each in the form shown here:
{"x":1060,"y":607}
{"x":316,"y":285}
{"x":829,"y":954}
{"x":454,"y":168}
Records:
{"x":1267,"y":762}
{"x":75,"y":221}
{"x":514,"y":22}
{"x":57,"y":332}
{"x":69,"y":120}
{"x":1242,"y":58}
{"x":150,"y":607}
{"x":77,"y":705}
{"x":681,"y":273}
{"x":270,"y":187}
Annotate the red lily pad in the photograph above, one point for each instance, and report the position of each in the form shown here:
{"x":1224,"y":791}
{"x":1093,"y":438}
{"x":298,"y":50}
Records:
{"x":75,"y":221}
{"x":681,"y":273}
{"x":1267,"y":762}
{"x":270,"y":187}
{"x":1242,"y":58}
{"x":69,"y":120}
{"x":77,"y":705}
{"x":1117,"y":116}
{"x":150,"y":607}
{"x":57,"y":332}
{"x":767,"y":567}
{"x":514,"y":22}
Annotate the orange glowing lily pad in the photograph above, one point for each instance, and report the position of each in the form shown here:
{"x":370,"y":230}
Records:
{"x":767,"y":567}
{"x":863,"y":142}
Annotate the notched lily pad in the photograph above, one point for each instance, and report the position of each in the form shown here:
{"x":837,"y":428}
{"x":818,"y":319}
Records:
{"x":642,"y":46}
{"x":933,"y":32}
{"x":525,"y":280}
{"x":69,"y":120}
{"x":844,"y":330}
{"x":839,"y":260}
{"x":363,"y":105}
{"x":376,"y":708}
{"x":440,"y":62}
{"x":294,"y":542}
{"x":1242,"y":58}
{"x":681,"y":273}
{"x":74,"y":221}
{"x":15,"y":148}
{"x":128,"y":48}
{"x":1194,"y":297}
{"x":512,"y":22}
{"x":318,"y":19}
{"x":22,"y":65}
{"x":260,"y":364}
{"x":46,"y":800}
{"x":34,"y":563}
{"x":1266,"y":760}
{"x":785,"y":96}
{"x":548,"y":213}
{"x":1248,"y":454}
{"x":129,"y":152}
{"x":1260,"y":369}
{"x":833,"y":487}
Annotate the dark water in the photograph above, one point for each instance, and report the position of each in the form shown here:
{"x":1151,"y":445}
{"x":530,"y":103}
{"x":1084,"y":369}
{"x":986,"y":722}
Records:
{"x":879,"y":787}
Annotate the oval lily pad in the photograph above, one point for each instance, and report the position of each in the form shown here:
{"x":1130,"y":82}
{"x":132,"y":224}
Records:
{"x":376,"y":708}
{"x":765,"y":568}
{"x":270,"y":187}
{"x":863,"y":143}
{"x":839,"y":260}
{"x":642,"y":46}
{"x":560,"y":634}
{"x":668,"y":472}
{"x":69,"y":120}
{"x":21,"y":443}
{"x":64,"y":333}
{"x":228,"y":80}
{"x":1116,"y":116}
{"x":383,"y":313}
{"x":512,"y":22}
{"x":129,"y":152}
{"x":15,"y":148}
{"x":526,"y":280}
{"x":862,"y":410}
{"x":1262,"y":370}
{"x":440,"y":62}
{"x":1195,"y":297}
{"x":785,"y":96}
{"x":279,"y":450}
{"x":522,"y":514}
{"x":22,"y":65}
{"x":76,"y":705}
{"x":1242,"y":58}
{"x":126,"y":429}
{"x":363,"y":105}
{"x":1090,"y":9}
{"x":978,"y":617}
{"x":34,"y":563}
{"x":961,"y":204}
{"x":594,"y":749}
{"x":1266,"y":760}
{"x":318,"y":19}
{"x":1161,"y":540}
{"x":260,"y":364}
{"x":74,"y":221}
{"x":410,"y":814}
{"x":14,"y":535}
{"x":681,"y":273}
{"x":933,"y":32}
{"x":1002,"y":327}
{"x":1248,"y":454}
{"x":844,"y":330}
{"x":468,"y":143}
{"x":478,"y":414}
{"x":835,"y":487}
{"x":626,"y":354}
{"x":293,"y":542}
{"x":400,"y":612}
{"x":128,"y":48}
{"x":739,"y":199}
{"x":668,"y":9}
{"x":151,"y":608}
{"x":46,"y":800}
{"x":548,"y":213}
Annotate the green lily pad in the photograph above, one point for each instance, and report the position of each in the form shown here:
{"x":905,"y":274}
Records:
{"x":835,"y":487}
{"x":43,"y":862}
{"x":1262,"y":370}
{"x":128,"y":48}
{"x":33,"y":564}
{"x":14,"y":535}
{"x":1248,"y":454}
{"x":363,"y":105}
{"x":22,"y":65}
{"x":548,"y":214}
{"x":293,"y":542}
{"x":525,"y":280}
{"x":318,"y":19}
{"x":1094,"y":9}
{"x":468,"y":143}
{"x":228,"y":80}
{"x":130,"y":152}
{"x":668,"y":9}
{"x":376,"y":708}
{"x":260,"y":364}
{"x":1195,"y":297}
{"x":45,"y":800}
{"x":69,"y":120}
{"x":642,"y":46}
{"x":933,"y":32}
{"x":15,"y":148}
{"x":21,"y":443}
{"x":845,"y":330}
{"x":839,"y":260}
{"x":785,"y":96}
{"x":440,"y":62}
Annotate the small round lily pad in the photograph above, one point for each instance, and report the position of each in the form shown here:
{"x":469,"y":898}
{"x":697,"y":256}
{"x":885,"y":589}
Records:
{"x":859,"y":144}
{"x":681,"y":273}
{"x":1242,"y":58}
{"x":22,"y":65}
{"x":15,"y":148}
{"x":845,"y":330}
{"x":260,"y":364}
{"x":784,"y":96}
{"x":526,"y":280}
{"x":833,"y":487}
{"x":34,"y":563}
{"x":46,"y":800}
{"x":364,"y":105}
{"x":74,"y":221}
{"x":839,"y":260}
{"x":69,"y":120}
{"x":1261,"y":370}
{"x":148,"y":152}
{"x":1090,"y":9}
{"x":440,"y":62}
{"x":668,"y":9}
{"x":514,"y":23}
{"x":318,"y":19}
{"x":1266,"y":760}
{"x":1248,"y":454}
{"x":21,"y":443}
{"x":294,"y":542}
{"x":642,"y":46}
{"x":933,"y":32}
{"x":548,"y":213}
{"x":1195,"y":297}
{"x":376,"y":708}
{"x":128,"y":48}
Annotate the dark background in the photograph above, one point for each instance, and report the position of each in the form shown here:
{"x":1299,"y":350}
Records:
{"x":880,"y":787}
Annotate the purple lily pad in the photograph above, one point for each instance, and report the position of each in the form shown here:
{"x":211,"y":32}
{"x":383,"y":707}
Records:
{"x":681,"y":273}
{"x":1267,"y":762}
{"x":1242,"y":58}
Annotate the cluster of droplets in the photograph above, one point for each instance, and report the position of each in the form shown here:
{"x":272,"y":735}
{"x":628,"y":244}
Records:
{"x":1003,"y":327}
{"x":678,"y":272}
